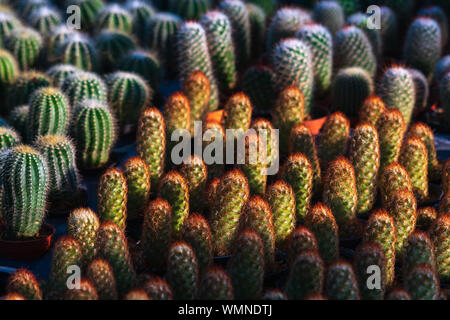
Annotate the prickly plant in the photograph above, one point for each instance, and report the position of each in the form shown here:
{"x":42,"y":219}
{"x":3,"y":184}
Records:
{"x":59,"y":73}
{"x":89,"y":10}
{"x":307,"y":275}
{"x":422,"y":91}
{"x":393,"y":178}
{"x":391,"y":129}
{"x":25,"y":44}
{"x":18,"y":119}
{"x":442,"y":68}
{"x":114,"y":17}
{"x":137,"y":175}
{"x":237,"y":113}
{"x":84,"y":85}
{"x":398,"y":294}
{"x":197,"y":89}
{"x":158,"y":289}
{"x":55,"y":39}
{"x":112,"y":197}
{"x":350,"y":89}
{"x":232,"y":193}
{"x":8,"y":138}
{"x":371,"y":110}
{"x":182,"y":271}
{"x":361,"y":20}
{"x":22,"y":89}
{"x":9,"y":70}
{"x":258,"y":83}
{"x":367,"y":255}
{"x":439,"y":234}
{"x":329,"y":14}
{"x":341,"y":283}
{"x":444,"y":91}
{"x":140,"y":11}
{"x":292,"y":63}
{"x":25,"y":187}
{"x":177,"y":115}
{"x":418,"y":249}
{"x":422,"y":282}
{"x":301,"y":239}
{"x":426,"y":217}
{"x":215,"y":284}
{"x":45,"y":19}
{"x":144,"y":63}
{"x":94,"y":132}
{"x":196,"y":174}
{"x":24,"y":283}
{"x":333,"y":137}
{"x":254,"y":163}
{"x":8,"y":23}
{"x":189,"y":9}
{"x":268,"y":139}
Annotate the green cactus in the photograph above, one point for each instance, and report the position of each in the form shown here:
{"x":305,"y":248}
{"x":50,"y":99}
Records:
{"x":215,"y":284}
{"x":322,"y":223}
{"x":340,"y":282}
{"x":89,"y":10}
{"x":333,"y":137}
{"x":422,"y":283}
{"x":25,"y":44}
{"x":25,"y":7}
{"x":258,"y":21}
{"x":24,"y":283}
{"x":361,"y":20}
{"x":158,"y":289}
{"x":8,"y":23}
{"x":92,"y":123}
{"x":423,"y":45}
{"x":365,"y":156}
{"x":292,"y":63}
{"x":350,"y":89}
{"x":302,"y":239}
{"x":112,"y":197}
{"x":151,"y":142}
{"x":246,"y":267}
{"x":182,"y":271}
{"x":268,"y":140}
{"x":140,"y":11}
{"x":8,"y":138}
{"x":59,"y":73}
{"x":391,"y":129}
{"x":254,"y":163}
{"x":371,"y":110}
{"x":56,"y":38}
{"x":232,"y":193}
{"x":329,"y":14}
{"x":25,"y":186}
{"x":422,"y":91}
{"x":144,"y":63}
{"x":307,"y":275}
{"x":84,"y":85}
{"x":258,"y":83}
{"x":398,"y":294}
{"x":197,"y":89}
{"x":298,"y":172}
{"x":238,"y":113}
{"x":367,"y":255}
{"x":418,"y":249}
{"x":353,"y":49}
{"x":196,"y":174}
{"x":18,"y":120}
{"x":189,"y":9}
{"x":426,"y":217}
{"x":114,"y":17}
{"x":137,"y":175}
{"x":9,"y":70}
{"x":44,"y":19}
{"x":393,"y":178}
{"x":112,"y":46}
{"x":439,"y":234}
{"x":350,"y":6}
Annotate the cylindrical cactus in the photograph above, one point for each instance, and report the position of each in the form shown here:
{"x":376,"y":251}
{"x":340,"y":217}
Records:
{"x":137,"y":175}
{"x":436,"y":13}
{"x":158,"y":289}
{"x":394,"y":177}
{"x":371,"y":110}
{"x":44,"y":19}
{"x":24,"y":283}
{"x":422,"y":283}
{"x":302,"y":239}
{"x":422,"y":91}
{"x":55,"y":39}
{"x":418,"y":249}
{"x":269,"y":139}
{"x":196,"y":174}
{"x":84,"y":85}
{"x":112,"y":46}
{"x":8,"y":23}
{"x":140,"y":11}
{"x":114,"y":17}
{"x":368,"y":255}
{"x":425,"y":218}
{"x":9,"y":70}
{"x":197,"y":89}
{"x":333,"y":138}
{"x":238,"y":113}
{"x":341,"y":283}
{"x":329,"y":14}
{"x":144,"y":63}
{"x":8,"y":138}
{"x":18,"y":119}
{"x":214,"y":135}
{"x":25,"y":44}
{"x":59,"y":73}
{"x":215,"y":284}
{"x":253,"y":163}
{"x":22,"y":89}
{"x":391,"y":129}
{"x":112,"y":197}
{"x":361,"y":20}
{"x":258,"y":83}
{"x":442,"y":68}
{"x":86,"y":291}
{"x":439,"y":233}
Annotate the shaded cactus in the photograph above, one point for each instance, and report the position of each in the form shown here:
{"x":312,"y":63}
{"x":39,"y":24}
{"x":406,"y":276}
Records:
{"x":258,"y":21}
{"x":137,"y":175}
{"x":26,"y":7}
{"x":389,"y":30}
{"x":24,"y":86}
{"x":393,"y":178}
{"x":422,"y":283}
{"x":89,"y":10}
{"x":9,"y":70}
{"x":114,"y":17}
{"x":112,"y":197}
{"x":86,"y":291}
{"x":197,"y":89}
{"x":422,"y":91}
{"x":333,"y":137}
{"x":55,"y":39}
{"x":418,"y":249}
{"x":371,"y":110}
{"x":112,"y":46}
{"x":59,"y":73}
{"x":215,"y":284}
{"x":84,"y":85}
{"x":302,"y":239}
{"x":25,"y":44}
{"x":93,"y":122}
{"x":398,"y":294}
{"x":439,"y":234}
{"x":158,"y":289}
{"x":140,"y":11}
{"x":196,"y":174}
{"x":329,"y":14}
{"x":368,"y":255}
{"x":136,"y":294}
{"x":258,"y":83}
{"x":25,"y":187}
{"x":8,"y":138}
{"x":341,"y":283}
{"x":442,"y":68}
{"x":351,"y":87}
{"x":189,"y":9}
{"x":391,"y":129}
{"x":425,"y":217}
{"x":44,"y":19}
{"x":24,"y":283}
{"x":144,"y":63}
{"x":182,"y":271}
{"x":18,"y":119}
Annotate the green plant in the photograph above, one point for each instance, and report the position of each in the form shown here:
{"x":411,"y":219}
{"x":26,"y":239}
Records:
{"x":197,"y":89}
{"x":254,"y":163}
{"x":144,"y":63}
{"x":418,"y":249}
{"x":23,"y":87}
{"x":422,"y":91}
{"x":238,"y":113}
{"x":394,"y":177}
{"x":213,"y":132}
{"x":442,"y":68}
{"x":55,"y":39}
{"x":215,"y":284}
{"x":444,"y":91}
{"x":268,"y":139}
{"x":389,"y":30}
{"x":8,"y":138}
{"x":361,"y":20}
{"x":9,"y":70}
{"x":196,"y":174}
{"x":333,"y":138}
{"x":112,"y":46}
{"x":84,"y":85}
{"x":112,"y":197}
{"x":329,"y":14}
{"x":8,"y":23}
{"x":44,"y":19}
{"x":439,"y":233}
{"x":371,"y":110}
{"x":158,"y":289}
{"x":114,"y":17}
{"x":89,"y":10}
{"x":258,"y":83}
{"x":140,"y":11}
{"x":59,"y":73}
{"x":137,"y":175}
{"x":177,"y":115}
{"x":391,"y":129}
{"x":422,"y":283}
{"x":367,"y":255}
{"x":25,"y":44}
{"x":24,"y":283}
{"x":341,"y":283}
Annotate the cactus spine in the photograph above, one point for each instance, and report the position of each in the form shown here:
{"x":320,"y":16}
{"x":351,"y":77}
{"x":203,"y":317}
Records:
{"x":197,"y":89}
{"x":391,"y":129}
{"x":24,"y":283}
{"x":25,"y":44}
{"x":422,"y":283}
{"x":84,"y":85}
{"x":137,"y":175}
{"x":394,"y":177}
{"x":341,"y":283}
{"x":215,"y":285}
{"x":333,"y":137}
{"x":196,"y":174}
{"x":371,"y":110}
{"x":112,"y":197}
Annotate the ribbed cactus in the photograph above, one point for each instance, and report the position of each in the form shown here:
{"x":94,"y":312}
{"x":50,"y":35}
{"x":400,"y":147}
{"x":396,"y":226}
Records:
{"x":367,"y":255}
{"x":174,"y":188}
{"x":393,"y":178}
{"x":353,"y":49}
{"x":26,"y":7}
{"x":422,"y":90}
{"x":196,"y":174}
{"x":341,"y":283}
{"x":112,"y":197}
{"x":361,"y":20}
{"x":281,"y":200}
{"x":79,"y":51}
{"x":113,"y":46}
{"x":391,"y":129}
{"x":9,"y":70}
{"x":197,"y":89}
{"x":177,"y":115}
{"x":25,"y":44}
{"x":59,"y":73}
{"x":365,"y":156}
{"x":398,"y":294}
{"x":55,"y":39}
{"x":25,"y":186}
{"x":151,"y":142}
{"x":389,"y":30}
{"x":158,"y":289}
{"x":425,"y":217}
{"x":414,"y":157}
{"x":422,"y":283}
{"x":292,"y":63}
{"x":423,"y":45}
{"x":144,"y":63}
{"x":141,"y":11}
{"x":307,"y":275}
{"x":24,"y":283}
{"x":8,"y":138}
{"x":238,"y":113}
{"x":322,"y":223}
{"x":128,"y":95}
{"x":329,"y":14}
{"x":439,"y":233}
{"x":232,"y":193}
{"x":302,"y":239}
{"x":114,"y":17}
{"x":45,"y":19}
{"x":182,"y":271}
{"x":8,"y":23}
{"x":333,"y":137}
{"x":418,"y":249}
{"x":350,"y":6}
{"x":189,"y":9}
{"x":215,"y":284}
{"x":89,"y":10}
{"x":268,"y":139}
{"x":298,"y":172}
{"x":84,"y":85}
{"x":93,"y":123}
{"x":246,"y":267}
{"x":319,"y":40}
{"x":18,"y":119}
{"x":258,"y":83}
{"x":253,"y":163}
{"x":350,"y":89}
{"x":397,"y":90}
{"x":371,"y":110}
{"x":137,"y":175}
{"x":157,"y":230}
{"x":24,"y":86}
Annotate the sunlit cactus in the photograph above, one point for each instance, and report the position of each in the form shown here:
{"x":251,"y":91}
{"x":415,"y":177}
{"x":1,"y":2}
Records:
{"x":112,"y":197}
{"x":333,"y":138}
{"x":341,"y":283}
{"x":253,"y":163}
{"x":302,"y":239}
{"x":422,"y":283}
{"x":59,"y":73}
{"x":25,"y":44}
{"x":197,"y":89}
{"x":329,"y":14}
{"x":213,"y":132}
{"x":44,"y":19}
{"x":177,"y":115}
{"x":24,"y":283}
{"x":137,"y":175}
{"x":84,"y":85}
{"x":215,"y":284}
{"x":79,"y":51}
{"x":238,"y":113}
{"x":368,"y":255}
{"x":144,"y":63}
{"x":196,"y":174}
{"x":158,"y":289}
{"x":258,"y":83}
{"x":114,"y":17}
{"x":100,"y":273}
{"x":391,"y":129}
{"x":8,"y":138}
{"x":112,"y":46}
{"x":136,"y":294}
{"x":393,"y":177}
{"x":439,"y":234}
{"x":23,"y":87}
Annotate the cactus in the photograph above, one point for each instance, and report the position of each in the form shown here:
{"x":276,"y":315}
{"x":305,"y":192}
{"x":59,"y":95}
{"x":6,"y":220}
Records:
{"x":414,"y":157}
{"x":44,"y":19}
{"x":140,"y":11}
{"x":146,"y":64}
{"x":24,"y":283}
{"x":418,"y":249}
{"x":238,"y":113}
{"x":322,"y":223}
{"x":289,"y":110}
{"x":112,"y":246}
{"x":174,"y":188}
{"x":340,"y":282}
{"x":425,"y":217}
{"x":422,"y":90}
{"x":59,"y":73}
{"x":137,"y":175}
{"x":26,"y":7}
{"x":237,"y":12}
{"x":25,"y":187}
{"x":189,"y":9}
{"x":192,"y":36}
{"x":8,"y":23}
{"x":442,"y":68}
{"x":254,"y":163}
{"x":439,"y":234}
{"x":24,"y":86}
{"x":302,"y":239}
{"x":112,"y":46}
{"x":444,"y":91}
{"x":9,"y":70}
{"x":292,"y":64}
{"x":269,"y":139}
{"x":157,"y":230}
{"x":217,"y":27}
{"x":302,"y":140}
{"x":281,"y":200}
{"x":258,"y":21}
{"x":306,"y":276}
{"x":89,"y":10}
{"x":215,"y":285}
{"x":361,"y":20}
{"x":298,"y":172}
{"x":182,"y":271}
{"x":333,"y":137}
{"x":446,"y":176}
{"x":389,"y":30}
{"x":177,"y":115}
{"x":128,"y":95}
{"x":112,"y":197}
{"x":197,"y":89}
{"x":274,"y":294}
{"x":213,"y":132}
{"x":84,"y":85}
{"x":8,"y":138}
{"x":93,"y":122}
{"x":55,"y":39}
{"x":48,"y":114}
{"x":319,"y":40}
{"x":86,"y":291}
{"x":25,"y":44}
{"x":422,"y":283}
{"x":329,"y":14}
{"x":350,"y":89}
{"x":158,"y":289}
{"x":258,"y":83}
{"x":114,"y":17}
{"x":18,"y":119}
{"x":398,"y":294}
{"x":371,"y":110}
{"x":151,"y":142}
{"x":232,"y":193}
{"x":353,"y":49}
{"x":367,"y":255}
{"x":136,"y":294}
{"x":246,"y":267}
{"x":365,"y":156}
{"x":196,"y":174}
{"x":393,"y":178}
{"x":391,"y":129}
